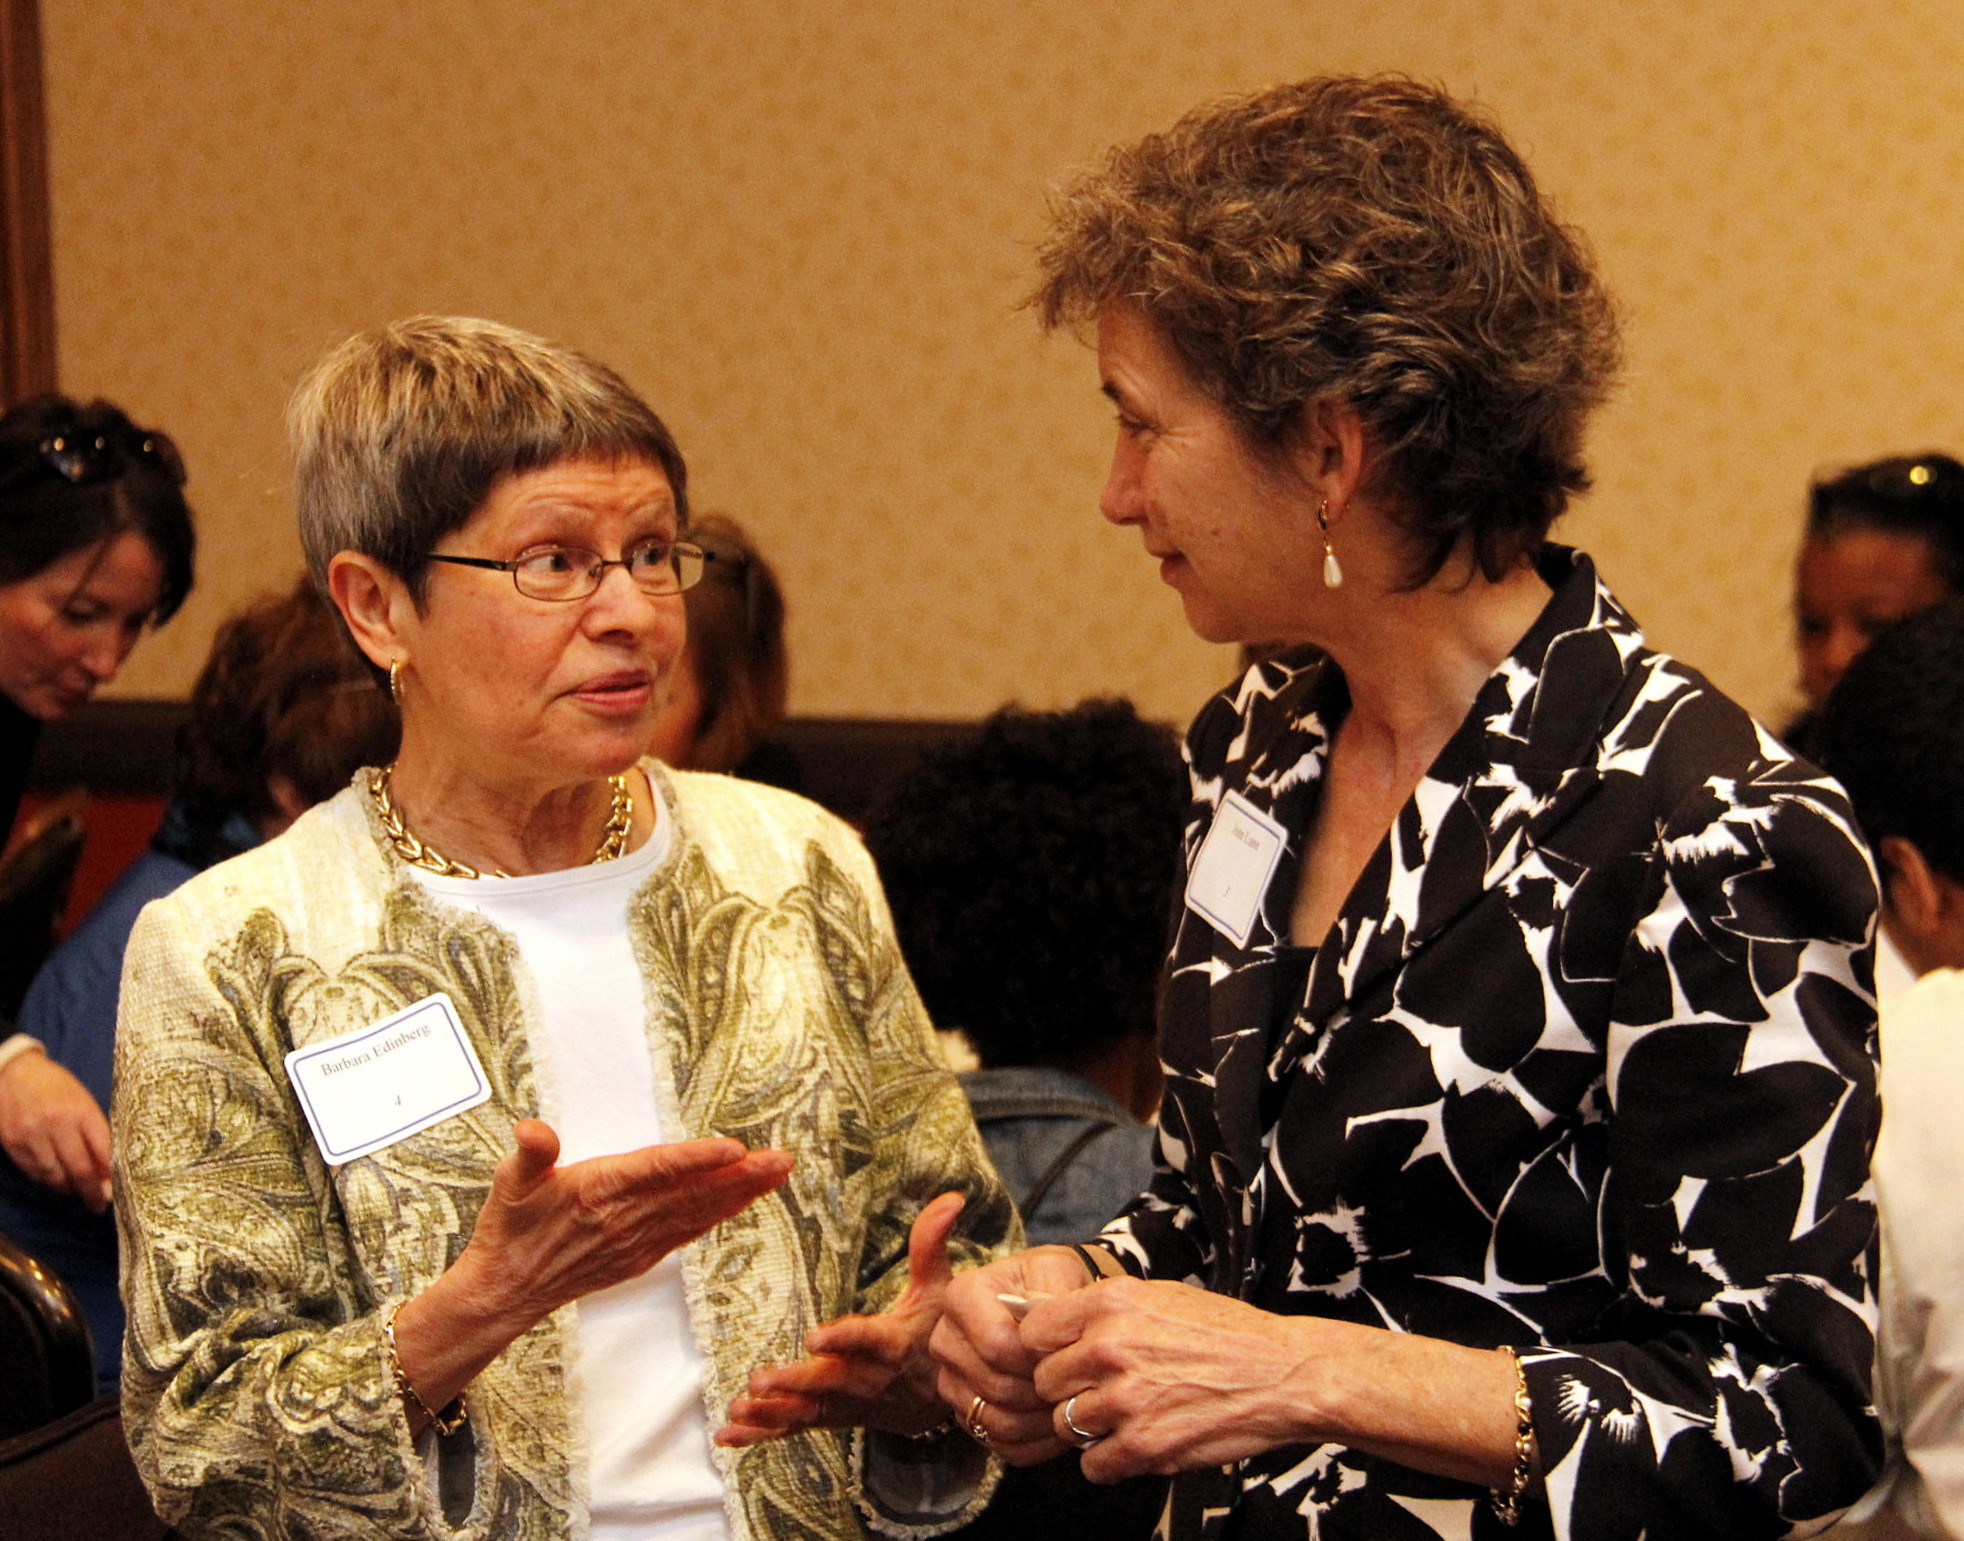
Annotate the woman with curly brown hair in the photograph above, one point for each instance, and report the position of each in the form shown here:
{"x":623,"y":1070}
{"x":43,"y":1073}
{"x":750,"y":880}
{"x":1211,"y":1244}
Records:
{"x":1513,"y":1155}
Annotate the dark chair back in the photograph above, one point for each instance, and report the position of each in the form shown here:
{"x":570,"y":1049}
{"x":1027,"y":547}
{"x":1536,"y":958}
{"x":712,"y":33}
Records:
{"x":73,"y":1480}
{"x":47,"y":1367}
{"x":34,"y":884}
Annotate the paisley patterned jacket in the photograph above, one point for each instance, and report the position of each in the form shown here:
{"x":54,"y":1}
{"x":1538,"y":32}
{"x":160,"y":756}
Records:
{"x":1584,"y":1065}
{"x":256,"y":1392}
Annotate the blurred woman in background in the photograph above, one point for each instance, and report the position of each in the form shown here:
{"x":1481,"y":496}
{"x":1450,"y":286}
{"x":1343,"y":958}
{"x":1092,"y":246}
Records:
{"x":1030,"y":869}
{"x":1884,"y":540}
{"x":284,"y":712}
{"x":729,"y":686}
{"x":95,"y":547}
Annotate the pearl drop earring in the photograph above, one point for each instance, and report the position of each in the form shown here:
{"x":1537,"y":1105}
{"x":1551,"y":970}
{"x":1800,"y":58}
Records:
{"x":1332,"y":568}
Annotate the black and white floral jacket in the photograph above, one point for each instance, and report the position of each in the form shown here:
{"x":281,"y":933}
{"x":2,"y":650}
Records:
{"x":1584,"y":1065}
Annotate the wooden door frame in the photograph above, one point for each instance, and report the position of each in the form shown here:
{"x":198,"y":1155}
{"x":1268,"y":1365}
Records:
{"x":27,"y":280}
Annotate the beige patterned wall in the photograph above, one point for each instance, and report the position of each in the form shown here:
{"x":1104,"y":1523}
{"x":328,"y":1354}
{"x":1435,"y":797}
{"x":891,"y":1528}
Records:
{"x":802,"y":229}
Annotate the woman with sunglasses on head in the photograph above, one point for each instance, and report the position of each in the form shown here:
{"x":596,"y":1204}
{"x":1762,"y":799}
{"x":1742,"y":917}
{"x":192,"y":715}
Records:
{"x":455,"y":1126}
{"x":95,"y":547}
{"x":1884,"y":540}
{"x":282,"y":714}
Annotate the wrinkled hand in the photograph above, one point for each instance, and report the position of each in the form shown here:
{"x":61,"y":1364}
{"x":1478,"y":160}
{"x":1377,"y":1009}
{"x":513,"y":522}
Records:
{"x":53,"y":1129}
{"x":1173,"y":1377}
{"x":550,"y":1234}
{"x":982,"y":1353}
{"x":863,"y":1371}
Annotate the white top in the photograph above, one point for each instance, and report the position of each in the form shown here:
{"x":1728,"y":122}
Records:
{"x":1893,"y":975}
{"x":1920,"y":1349}
{"x":653,"y":1476}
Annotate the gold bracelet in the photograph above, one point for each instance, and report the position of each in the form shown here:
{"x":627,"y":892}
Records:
{"x":440,"y":1423}
{"x":1507,"y":1501}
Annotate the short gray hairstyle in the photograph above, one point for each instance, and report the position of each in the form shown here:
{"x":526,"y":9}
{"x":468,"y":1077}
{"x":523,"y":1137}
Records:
{"x":399,"y":434}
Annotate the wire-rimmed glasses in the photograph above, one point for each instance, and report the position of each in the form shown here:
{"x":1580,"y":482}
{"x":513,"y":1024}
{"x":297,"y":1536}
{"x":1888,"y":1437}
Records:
{"x":572,"y":572}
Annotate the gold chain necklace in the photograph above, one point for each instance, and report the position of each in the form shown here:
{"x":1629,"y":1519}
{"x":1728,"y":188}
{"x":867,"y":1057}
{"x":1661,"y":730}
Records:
{"x":418,"y":853}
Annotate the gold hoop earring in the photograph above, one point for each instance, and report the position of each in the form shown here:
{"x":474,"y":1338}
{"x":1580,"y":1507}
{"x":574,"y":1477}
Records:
{"x":1332,"y":568}
{"x":395,"y":678}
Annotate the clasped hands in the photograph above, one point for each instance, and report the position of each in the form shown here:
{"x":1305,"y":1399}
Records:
{"x":1134,"y":1376}
{"x":1152,"y":1377}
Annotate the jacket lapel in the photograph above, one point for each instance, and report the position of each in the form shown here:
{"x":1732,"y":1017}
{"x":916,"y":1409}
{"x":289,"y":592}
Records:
{"x":1274,"y":762}
{"x":1521,"y":764}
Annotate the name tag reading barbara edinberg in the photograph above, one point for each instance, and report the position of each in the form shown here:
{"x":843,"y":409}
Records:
{"x":364,"y":1091}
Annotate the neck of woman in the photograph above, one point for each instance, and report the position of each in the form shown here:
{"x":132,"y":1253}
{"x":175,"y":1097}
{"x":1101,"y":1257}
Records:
{"x":1415,"y":660}
{"x":1414,"y":664}
{"x":518,"y":829}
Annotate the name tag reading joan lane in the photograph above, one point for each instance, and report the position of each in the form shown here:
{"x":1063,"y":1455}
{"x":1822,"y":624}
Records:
{"x":364,"y":1091}
{"x":1232,"y":872}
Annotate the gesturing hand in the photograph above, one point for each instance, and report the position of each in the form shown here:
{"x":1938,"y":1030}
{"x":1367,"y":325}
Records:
{"x":864,"y":1371}
{"x":550,"y":1234}
{"x":53,"y":1129}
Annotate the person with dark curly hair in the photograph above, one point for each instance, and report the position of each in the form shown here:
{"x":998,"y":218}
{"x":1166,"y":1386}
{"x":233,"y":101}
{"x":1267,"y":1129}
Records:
{"x":1892,"y":732}
{"x":1513,"y":1156}
{"x":282,"y":715}
{"x":1030,"y":870}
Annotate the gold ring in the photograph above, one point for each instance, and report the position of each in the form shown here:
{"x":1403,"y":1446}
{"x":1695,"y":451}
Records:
{"x":1085,"y":1439}
{"x":973,"y":1422}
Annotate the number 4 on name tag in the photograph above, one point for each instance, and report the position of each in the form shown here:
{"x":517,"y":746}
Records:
{"x":1231,"y":874}
{"x":364,"y":1091}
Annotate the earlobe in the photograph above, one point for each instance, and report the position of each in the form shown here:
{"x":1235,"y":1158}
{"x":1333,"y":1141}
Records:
{"x":1908,"y":891}
{"x":1334,"y":450}
{"x":370,"y":599}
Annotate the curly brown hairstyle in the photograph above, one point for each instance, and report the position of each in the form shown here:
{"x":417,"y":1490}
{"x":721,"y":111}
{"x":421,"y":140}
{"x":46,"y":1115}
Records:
{"x":1371,"y":241}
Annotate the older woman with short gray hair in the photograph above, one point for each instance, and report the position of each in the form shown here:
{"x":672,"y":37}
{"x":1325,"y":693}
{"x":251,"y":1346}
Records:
{"x":456,"y":1126}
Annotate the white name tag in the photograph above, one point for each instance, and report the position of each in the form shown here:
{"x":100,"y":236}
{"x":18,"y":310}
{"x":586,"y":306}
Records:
{"x":1231,"y":874}
{"x":366,"y":1090}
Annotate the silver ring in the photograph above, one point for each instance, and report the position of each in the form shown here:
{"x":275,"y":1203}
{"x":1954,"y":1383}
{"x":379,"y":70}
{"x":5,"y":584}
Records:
{"x":972,"y":1422}
{"x":1085,"y":1438}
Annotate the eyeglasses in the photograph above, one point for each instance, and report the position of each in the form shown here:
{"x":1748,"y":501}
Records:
{"x":572,"y":572}
{"x":80,"y":456}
